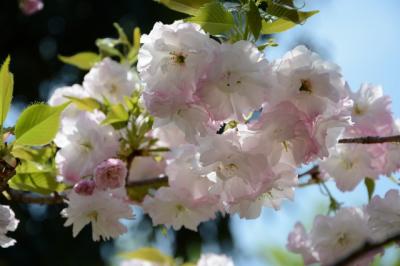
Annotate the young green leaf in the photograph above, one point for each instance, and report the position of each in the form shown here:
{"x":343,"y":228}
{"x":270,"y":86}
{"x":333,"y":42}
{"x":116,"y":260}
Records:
{"x":85,"y":104}
{"x":107,"y":47}
{"x":292,"y":14}
{"x":254,"y":19}
{"x":84,"y":60}
{"x":276,"y":26}
{"x":185,"y":6}
{"x":213,"y":18}
{"x":38,"y":124}
{"x":6,"y":90}
{"x":116,"y":114}
{"x":37,"y":178}
{"x":370,"y":185}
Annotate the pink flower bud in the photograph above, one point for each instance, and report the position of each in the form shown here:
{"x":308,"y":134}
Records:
{"x":110,"y":173}
{"x":29,"y":7}
{"x":85,"y":187}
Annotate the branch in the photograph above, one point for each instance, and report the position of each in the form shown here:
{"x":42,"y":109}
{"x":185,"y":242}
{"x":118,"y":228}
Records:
{"x":6,"y":172}
{"x":371,"y":140}
{"x":366,"y":248}
{"x":21,"y":197}
{"x":313,"y":172}
{"x":147,"y":182}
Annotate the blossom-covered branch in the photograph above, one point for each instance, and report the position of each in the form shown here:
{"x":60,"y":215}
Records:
{"x":371,"y":140}
{"x":368,"y":247}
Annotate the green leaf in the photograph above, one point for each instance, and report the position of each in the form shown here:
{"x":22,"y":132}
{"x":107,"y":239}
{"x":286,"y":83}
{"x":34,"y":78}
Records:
{"x":139,"y":191}
{"x":150,"y":255}
{"x":370,"y":185}
{"x":37,"y":178}
{"x":276,"y":26}
{"x":213,"y":18}
{"x":292,"y":14}
{"x":38,"y":124}
{"x":185,"y":6}
{"x":6,"y":90}
{"x":42,"y":155}
{"x":254,"y":19}
{"x":121,"y":34}
{"x":133,"y":53}
{"x":116,"y":114}
{"x":85,"y":104}
{"x":107,"y":47}
{"x":84,"y":60}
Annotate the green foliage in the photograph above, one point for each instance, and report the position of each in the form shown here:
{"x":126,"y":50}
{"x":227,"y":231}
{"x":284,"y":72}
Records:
{"x":117,"y":114}
{"x":254,"y":19}
{"x":122,"y":48}
{"x":213,"y":18}
{"x":140,"y":191}
{"x":276,"y":26}
{"x":37,"y":171}
{"x":189,"y":7}
{"x":275,"y":8}
{"x":85,"y":104}
{"x":370,"y":186}
{"x":35,"y":177}
{"x":6,"y":90}
{"x":151,"y":255}
{"x":38,"y":124}
{"x":43,"y":155}
{"x":83,"y":60}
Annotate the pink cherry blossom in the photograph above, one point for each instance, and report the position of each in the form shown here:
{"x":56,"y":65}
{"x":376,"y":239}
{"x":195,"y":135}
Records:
{"x":110,"y":173}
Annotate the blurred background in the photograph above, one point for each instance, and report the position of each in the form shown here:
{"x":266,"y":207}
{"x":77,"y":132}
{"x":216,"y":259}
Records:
{"x":362,"y":36}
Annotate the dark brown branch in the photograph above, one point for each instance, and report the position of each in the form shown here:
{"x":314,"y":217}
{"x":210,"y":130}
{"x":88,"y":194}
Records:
{"x":371,"y":140}
{"x":6,"y":172}
{"x":147,"y":182}
{"x":27,"y":198}
{"x":313,"y":172}
{"x":365,"y":249}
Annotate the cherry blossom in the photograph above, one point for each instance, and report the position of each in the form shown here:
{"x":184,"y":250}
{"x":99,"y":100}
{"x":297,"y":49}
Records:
{"x":109,"y":80}
{"x":8,"y":222}
{"x":87,"y":145}
{"x":101,"y":209}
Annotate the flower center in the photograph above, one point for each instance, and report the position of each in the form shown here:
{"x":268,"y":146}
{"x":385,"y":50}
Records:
{"x":306,"y":86}
{"x":93,"y":216}
{"x":227,"y":170}
{"x":178,"y":58}
{"x":358,"y":110}
{"x":342,"y":239}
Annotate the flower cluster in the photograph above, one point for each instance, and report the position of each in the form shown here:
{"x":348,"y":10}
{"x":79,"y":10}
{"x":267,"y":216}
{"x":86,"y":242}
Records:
{"x":275,"y":116}
{"x":333,"y":237}
{"x":230,"y":129}
{"x":87,"y":158}
{"x":349,"y":164}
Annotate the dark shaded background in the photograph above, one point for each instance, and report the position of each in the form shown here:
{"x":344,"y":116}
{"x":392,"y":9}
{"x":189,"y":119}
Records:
{"x":67,"y":27}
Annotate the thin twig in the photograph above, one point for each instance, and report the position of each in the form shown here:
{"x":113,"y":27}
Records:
{"x":365,"y":249}
{"x":313,"y":172}
{"x":371,"y":140}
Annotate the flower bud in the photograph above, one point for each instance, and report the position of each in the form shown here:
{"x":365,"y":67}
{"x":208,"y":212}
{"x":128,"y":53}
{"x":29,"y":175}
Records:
{"x":110,"y":173}
{"x":85,"y":187}
{"x":29,"y":7}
